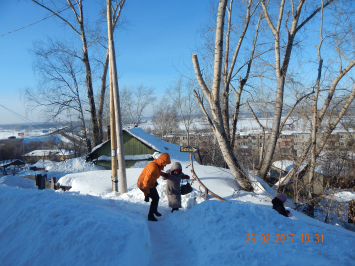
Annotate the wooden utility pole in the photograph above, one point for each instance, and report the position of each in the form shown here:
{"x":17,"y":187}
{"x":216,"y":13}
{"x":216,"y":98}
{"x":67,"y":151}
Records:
{"x":114,"y":178}
{"x":116,"y":118}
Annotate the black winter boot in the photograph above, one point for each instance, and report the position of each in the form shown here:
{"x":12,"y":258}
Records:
{"x":151,"y":216}
{"x":155,"y":211}
{"x":174,"y":209}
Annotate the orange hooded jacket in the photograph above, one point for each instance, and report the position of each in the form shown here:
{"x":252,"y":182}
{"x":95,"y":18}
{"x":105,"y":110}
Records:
{"x":151,"y":173}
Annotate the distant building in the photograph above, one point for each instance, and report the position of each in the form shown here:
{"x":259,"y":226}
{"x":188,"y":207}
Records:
{"x":280,"y":169}
{"x":52,"y":155}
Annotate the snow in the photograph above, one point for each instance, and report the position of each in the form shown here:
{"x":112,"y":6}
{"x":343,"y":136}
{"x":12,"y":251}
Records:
{"x":284,"y":165}
{"x":287,"y":165}
{"x":91,"y":225}
{"x":49,"y":152}
{"x":16,"y":181}
{"x":44,"y":138}
{"x":344,"y":196}
{"x":127,"y":157}
{"x":59,"y":169}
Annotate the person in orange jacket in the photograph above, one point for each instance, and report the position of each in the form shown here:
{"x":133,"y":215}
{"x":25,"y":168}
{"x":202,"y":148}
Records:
{"x":147,"y":182}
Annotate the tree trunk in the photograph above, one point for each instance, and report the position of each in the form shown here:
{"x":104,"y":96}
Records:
{"x":213,"y":98}
{"x":102,"y":97}
{"x":88,"y":81}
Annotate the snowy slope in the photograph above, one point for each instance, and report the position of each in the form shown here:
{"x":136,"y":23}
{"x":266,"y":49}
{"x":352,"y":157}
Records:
{"x":48,"y":228}
{"x":91,"y":225}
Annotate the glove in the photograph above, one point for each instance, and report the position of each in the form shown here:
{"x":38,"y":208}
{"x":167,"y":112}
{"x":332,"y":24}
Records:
{"x":165,"y":175}
{"x":146,"y":198}
{"x":187,"y":177}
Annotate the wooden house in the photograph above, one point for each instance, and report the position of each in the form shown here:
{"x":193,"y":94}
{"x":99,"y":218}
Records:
{"x":280,"y":169}
{"x":136,"y":146}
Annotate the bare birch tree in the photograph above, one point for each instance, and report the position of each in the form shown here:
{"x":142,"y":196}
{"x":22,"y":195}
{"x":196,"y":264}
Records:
{"x":181,"y":95}
{"x":219,"y":119}
{"x":79,"y":26}
{"x":165,"y":118}
{"x":134,"y":101}
{"x":59,"y":90}
{"x":342,"y":39}
{"x":282,"y":62}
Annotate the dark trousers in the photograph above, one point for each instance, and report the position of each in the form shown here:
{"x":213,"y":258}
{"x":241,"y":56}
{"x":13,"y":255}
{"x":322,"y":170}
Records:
{"x":154,"y":196}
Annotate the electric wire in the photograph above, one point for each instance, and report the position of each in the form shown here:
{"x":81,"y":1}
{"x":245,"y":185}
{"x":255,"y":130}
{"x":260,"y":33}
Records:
{"x":28,"y":121}
{"x":34,"y":22}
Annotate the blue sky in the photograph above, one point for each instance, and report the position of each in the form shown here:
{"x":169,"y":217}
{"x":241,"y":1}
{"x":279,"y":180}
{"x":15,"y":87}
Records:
{"x":162,"y":36}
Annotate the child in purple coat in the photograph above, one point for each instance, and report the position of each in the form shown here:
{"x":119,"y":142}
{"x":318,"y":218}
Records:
{"x":278,"y":205}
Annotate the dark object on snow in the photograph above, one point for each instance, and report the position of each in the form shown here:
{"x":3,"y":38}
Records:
{"x":186,"y":189}
{"x":174,"y":209}
{"x":279,"y":207}
{"x":153,"y":209}
{"x":41,"y":181}
{"x":351,"y":215}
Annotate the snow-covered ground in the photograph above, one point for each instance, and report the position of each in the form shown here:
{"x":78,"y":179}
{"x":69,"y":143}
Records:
{"x":5,"y":132}
{"x":91,"y":225}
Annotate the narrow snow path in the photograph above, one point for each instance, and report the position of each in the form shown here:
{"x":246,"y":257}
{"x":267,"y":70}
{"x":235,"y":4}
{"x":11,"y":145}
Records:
{"x":170,"y":246}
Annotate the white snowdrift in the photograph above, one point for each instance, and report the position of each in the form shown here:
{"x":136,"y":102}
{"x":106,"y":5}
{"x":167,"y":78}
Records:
{"x":48,"y":228}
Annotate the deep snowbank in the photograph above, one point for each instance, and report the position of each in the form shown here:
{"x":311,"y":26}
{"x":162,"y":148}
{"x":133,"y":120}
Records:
{"x":91,"y":225}
{"x":51,"y":228}
{"x":60,"y":169}
{"x":218,"y":230}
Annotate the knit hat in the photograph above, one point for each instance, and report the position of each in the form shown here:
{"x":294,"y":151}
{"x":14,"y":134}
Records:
{"x":176,"y":166}
{"x":282,"y":197}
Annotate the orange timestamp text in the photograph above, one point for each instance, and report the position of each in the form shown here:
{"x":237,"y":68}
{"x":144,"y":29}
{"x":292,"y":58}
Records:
{"x":284,"y":238}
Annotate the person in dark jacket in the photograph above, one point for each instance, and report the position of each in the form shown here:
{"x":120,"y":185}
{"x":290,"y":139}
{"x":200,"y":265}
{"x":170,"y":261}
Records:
{"x":278,"y":205}
{"x":173,"y":177}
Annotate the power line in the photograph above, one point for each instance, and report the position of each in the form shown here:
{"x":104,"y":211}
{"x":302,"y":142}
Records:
{"x":23,"y":118}
{"x":34,"y":22}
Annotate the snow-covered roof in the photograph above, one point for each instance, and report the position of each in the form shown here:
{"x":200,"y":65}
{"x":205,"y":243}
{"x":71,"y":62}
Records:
{"x":287,"y":165}
{"x":284,"y":165}
{"x":157,"y":144}
{"x":127,"y":157}
{"x":50,"y":152}
{"x":160,"y":146}
{"x":7,"y":163}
